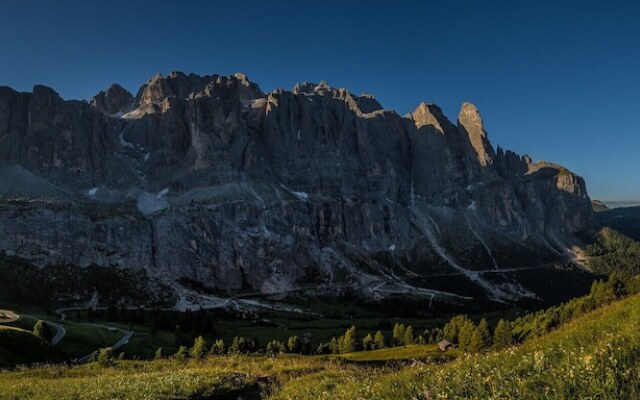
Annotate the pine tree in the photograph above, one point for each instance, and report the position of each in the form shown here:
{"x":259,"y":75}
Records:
{"x":181,"y":354}
{"x":275,"y":347}
{"x":323,"y":348}
{"x":453,"y":327}
{"x":367,"y":343}
{"x":378,"y":341}
{"x":242,"y":345}
{"x":159,"y":354}
{"x":236,"y":345}
{"x":105,"y":357}
{"x":217,"y":348}
{"x":199,"y":349}
{"x":407,"y":337}
{"x":294,"y":345}
{"x":398,"y":334}
{"x":348,"y":342}
{"x":502,"y":336}
{"x":438,"y":335}
{"x":464,"y":335}
{"x":476,"y":343}
{"x":43,"y":330}
{"x":333,"y":346}
{"x":485,"y":333}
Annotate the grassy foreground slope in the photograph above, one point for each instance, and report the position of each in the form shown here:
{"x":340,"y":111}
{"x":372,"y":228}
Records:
{"x":18,"y":347}
{"x":220,"y":377}
{"x":596,"y":356}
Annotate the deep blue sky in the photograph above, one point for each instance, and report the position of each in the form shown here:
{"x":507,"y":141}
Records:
{"x":558,"y":81}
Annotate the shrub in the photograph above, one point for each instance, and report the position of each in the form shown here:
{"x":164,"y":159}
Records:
{"x":199,"y":348}
{"x":105,"y":357}
{"x":43,"y":330}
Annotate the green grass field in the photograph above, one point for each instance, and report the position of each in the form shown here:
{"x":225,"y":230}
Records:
{"x":595,"y":356}
{"x":84,"y":339}
{"x":413,"y":352}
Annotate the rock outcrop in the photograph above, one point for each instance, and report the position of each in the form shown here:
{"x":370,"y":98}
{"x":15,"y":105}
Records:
{"x":207,"y":178}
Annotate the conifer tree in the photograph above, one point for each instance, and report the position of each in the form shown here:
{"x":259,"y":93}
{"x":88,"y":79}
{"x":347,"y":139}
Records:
{"x":181,"y":354}
{"x":476,"y":342}
{"x":199,"y":348}
{"x":294,"y":345}
{"x":367,"y":343}
{"x":159,"y":354}
{"x":43,"y":330}
{"x":348,"y":342}
{"x":333,"y":346}
{"x":485,"y":333}
{"x":407,"y":337}
{"x":398,"y":334}
{"x":378,"y":341}
{"x":105,"y":357}
{"x":217,"y":348}
{"x":502,"y":336}
{"x":275,"y":347}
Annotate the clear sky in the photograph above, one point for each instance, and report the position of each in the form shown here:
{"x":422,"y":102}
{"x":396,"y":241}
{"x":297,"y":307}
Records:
{"x":556,"y":79}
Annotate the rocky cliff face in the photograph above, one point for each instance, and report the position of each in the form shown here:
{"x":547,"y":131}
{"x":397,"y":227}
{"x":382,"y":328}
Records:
{"x":316,"y":189}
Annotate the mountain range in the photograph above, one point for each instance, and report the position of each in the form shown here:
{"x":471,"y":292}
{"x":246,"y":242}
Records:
{"x":216,"y":189}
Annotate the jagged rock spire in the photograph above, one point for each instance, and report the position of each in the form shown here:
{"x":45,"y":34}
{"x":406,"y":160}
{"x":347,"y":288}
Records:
{"x":470,"y":120}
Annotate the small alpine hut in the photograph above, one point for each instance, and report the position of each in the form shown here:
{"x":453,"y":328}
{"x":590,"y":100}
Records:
{"x":445,"y":345}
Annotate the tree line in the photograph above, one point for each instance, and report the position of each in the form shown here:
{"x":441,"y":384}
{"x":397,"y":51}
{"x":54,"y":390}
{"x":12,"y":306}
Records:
{"x":461,"y":331}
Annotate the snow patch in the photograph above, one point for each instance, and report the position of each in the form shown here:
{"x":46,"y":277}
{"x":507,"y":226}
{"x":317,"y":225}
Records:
{"x":92,"y":192}
{"x":146,"y":156}
{"x":472,"y":206}
{"x":392,"y":247}
{"x":301,"y":195}
{"x":163,"y":192}
{"x":149,"y":204}
{"x":123,"y":142}
{"x":298,"y":134}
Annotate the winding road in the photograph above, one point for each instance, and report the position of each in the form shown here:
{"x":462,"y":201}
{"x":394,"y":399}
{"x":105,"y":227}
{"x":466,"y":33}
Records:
{"x":124,"y":340}
{"x":60,"y":330}
{"x":7,"y":317}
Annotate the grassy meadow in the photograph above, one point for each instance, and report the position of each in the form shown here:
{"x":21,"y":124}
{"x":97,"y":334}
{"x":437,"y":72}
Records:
{"x":594,"y":356}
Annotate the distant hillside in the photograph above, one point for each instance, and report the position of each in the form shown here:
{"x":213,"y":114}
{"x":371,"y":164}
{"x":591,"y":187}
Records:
{"x":18,"y":347}
{"x":599,"y":206}
{"x":625,"y":220}
{"x":614,"y":252}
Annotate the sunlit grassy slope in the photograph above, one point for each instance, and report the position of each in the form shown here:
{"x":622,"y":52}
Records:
{"x":428,"y":352}
{"x":596,"y":356}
